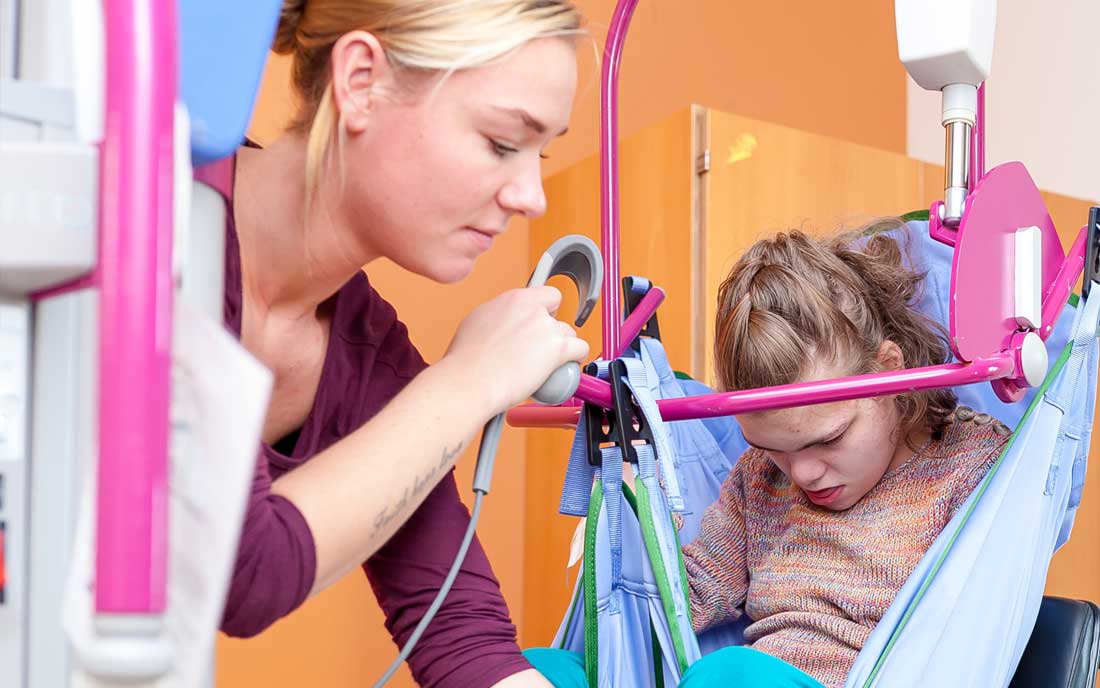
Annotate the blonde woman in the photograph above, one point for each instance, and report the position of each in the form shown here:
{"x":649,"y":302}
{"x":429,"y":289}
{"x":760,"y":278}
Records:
{"x":419,"y":135}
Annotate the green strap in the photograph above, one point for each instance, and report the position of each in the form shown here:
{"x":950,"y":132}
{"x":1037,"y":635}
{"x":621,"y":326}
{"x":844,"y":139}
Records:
{"x":591,"y":625}
{"x":649,"y":534}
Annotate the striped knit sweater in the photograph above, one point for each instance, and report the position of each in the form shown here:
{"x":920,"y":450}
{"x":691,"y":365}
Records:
{"x":815,"y":581}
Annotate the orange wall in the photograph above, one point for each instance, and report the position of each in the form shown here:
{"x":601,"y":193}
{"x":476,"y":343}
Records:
{"x":825,"y":67}
{"x":803,"y":64}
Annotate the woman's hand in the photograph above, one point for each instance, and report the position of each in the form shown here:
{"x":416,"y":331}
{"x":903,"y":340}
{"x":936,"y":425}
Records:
{"x":524,"y":679}
{"x":508,"y":346}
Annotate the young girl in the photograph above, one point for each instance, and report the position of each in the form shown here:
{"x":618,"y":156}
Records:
{"x":820,"y":523}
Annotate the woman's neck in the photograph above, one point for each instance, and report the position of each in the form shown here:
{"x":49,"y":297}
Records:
{"x":292,"y":258}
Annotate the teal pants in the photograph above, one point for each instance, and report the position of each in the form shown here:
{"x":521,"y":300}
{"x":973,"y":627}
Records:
{"x":730,"y":667}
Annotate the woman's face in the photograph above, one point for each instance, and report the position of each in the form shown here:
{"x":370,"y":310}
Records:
{"x":434,"y":175}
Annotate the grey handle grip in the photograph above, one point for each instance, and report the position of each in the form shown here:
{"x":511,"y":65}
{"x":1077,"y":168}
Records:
{"x":577,"y":257}
{"x":560,"y":386}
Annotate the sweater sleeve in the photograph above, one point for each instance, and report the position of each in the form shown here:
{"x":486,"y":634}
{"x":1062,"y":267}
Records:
{"x":276,"y":561}
{"x":716,"y":561}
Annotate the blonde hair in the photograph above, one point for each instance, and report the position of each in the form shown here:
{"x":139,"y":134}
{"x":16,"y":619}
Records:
{"x":792,"y":302}
{"x":421,"y":35}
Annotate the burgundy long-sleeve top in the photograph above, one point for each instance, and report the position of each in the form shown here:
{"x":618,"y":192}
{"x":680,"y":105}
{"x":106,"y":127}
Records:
{"x":472,"y":641}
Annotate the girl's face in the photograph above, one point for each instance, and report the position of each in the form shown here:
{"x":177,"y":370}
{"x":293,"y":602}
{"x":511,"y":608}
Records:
{"x":434,"y":176}
{"x":835,"y":453}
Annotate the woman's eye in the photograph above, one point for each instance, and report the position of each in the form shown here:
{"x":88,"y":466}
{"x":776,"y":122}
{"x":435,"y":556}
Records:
{"x":835,"y":440}
{"x":502,"y":149}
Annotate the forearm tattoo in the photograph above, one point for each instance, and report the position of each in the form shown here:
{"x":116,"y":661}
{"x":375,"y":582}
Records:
{"x":426,"y":480}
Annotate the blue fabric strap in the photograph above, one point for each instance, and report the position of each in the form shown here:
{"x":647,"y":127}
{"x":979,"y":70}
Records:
{"x":577,"y":489}
{"x":637,"y":382}
{"x":579,"y":475}
{"x":640,"y":285}
{"x":610,"y":475}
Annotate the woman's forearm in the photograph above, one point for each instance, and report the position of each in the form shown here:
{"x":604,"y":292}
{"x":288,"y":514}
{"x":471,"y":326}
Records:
{"x":358,"y":492}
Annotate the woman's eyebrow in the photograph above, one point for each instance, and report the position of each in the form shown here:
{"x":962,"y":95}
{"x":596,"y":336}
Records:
{"x":528,"y":120}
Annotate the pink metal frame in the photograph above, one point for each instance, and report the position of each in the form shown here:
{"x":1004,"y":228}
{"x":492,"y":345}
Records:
{"x":609,"y":172}
{"x":598,"y":392}
{"x":1000,"y":366}
{"x":134,"y":276}
{"x":977,"y":141}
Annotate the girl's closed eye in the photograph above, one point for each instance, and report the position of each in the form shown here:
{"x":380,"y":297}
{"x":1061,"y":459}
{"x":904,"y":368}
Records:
{"x":833,"y":441}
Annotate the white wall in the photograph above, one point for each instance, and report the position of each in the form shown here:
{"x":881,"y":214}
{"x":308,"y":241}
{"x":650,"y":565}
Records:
{"x":46,"y":40}
{"x":1042,"y":97}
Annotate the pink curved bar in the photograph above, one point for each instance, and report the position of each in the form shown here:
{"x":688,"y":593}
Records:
{"x":609,"y":172}
{"x":839,"y":389}
{"x":638,"y":318}
{"x":597,"y":391}
{"x":135,"y":306}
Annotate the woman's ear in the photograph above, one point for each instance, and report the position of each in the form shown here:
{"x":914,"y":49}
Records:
{"x":890,"y":356}
{"x":359,"y":68}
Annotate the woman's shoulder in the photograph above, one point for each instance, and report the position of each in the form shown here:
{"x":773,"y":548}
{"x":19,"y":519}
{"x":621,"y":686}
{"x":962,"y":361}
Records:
{"x":364,"y":318}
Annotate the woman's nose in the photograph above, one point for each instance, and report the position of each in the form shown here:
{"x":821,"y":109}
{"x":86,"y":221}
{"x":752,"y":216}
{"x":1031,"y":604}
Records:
{"x":523,"y":194}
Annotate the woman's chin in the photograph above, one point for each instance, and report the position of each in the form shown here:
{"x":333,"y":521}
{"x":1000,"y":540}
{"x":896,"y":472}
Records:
{"x":452,"y":272}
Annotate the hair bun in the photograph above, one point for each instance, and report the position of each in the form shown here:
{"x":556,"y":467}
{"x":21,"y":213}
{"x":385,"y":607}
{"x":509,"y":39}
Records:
{"x":286,"y":36}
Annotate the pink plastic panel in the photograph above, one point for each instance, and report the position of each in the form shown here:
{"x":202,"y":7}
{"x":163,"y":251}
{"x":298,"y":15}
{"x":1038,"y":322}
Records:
{"x":982,"y":319}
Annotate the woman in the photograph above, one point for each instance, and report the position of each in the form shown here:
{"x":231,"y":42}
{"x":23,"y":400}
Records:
{"x":419,"y":134}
